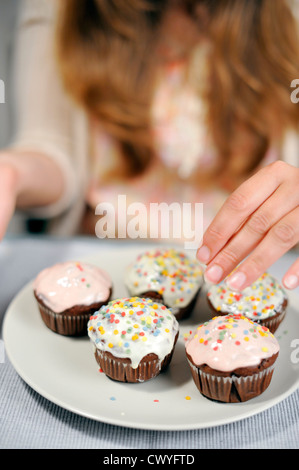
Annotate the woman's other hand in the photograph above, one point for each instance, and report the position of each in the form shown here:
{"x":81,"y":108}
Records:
{"x":27,"y":179}
{"x":257,"y":224}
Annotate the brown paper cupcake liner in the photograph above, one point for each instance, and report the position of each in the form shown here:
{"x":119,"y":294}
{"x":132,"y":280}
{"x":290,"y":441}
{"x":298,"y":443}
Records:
{"x":231,"y":389}
{"x":121,"y":370}
{"x":272,"y":323}
{"x":72,"y":322}
{"x":68,"y":325}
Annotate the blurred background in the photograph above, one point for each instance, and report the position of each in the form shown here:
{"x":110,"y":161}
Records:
{"x":8,"y":17}
{"x":8,"y":22}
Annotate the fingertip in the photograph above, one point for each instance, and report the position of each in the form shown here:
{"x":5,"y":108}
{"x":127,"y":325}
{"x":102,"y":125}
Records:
{"x":203,"y":254}
{"x":291,"y":281}
{"x":214,"y":274}
{"x":237,"y":281}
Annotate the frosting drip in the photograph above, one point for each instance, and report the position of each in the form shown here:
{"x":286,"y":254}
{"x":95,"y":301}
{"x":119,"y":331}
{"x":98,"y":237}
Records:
{"x":132,"y":328}
{"x":228,"y":342}
{"x":261,"y":300}
{"x":168,"y":272}
{"x":68,"y":284}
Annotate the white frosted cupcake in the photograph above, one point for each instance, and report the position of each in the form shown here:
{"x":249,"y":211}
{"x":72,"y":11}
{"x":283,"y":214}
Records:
{"x":264,"y":302}
{"x":133,"y":338}
{"x":68,"y":293}
{"x":168,"y":276}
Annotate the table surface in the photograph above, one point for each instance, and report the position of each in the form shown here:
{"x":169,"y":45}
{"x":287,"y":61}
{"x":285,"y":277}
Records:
{"x":29,"y":421}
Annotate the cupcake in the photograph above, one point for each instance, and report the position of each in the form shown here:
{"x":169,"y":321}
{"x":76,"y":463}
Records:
{"x":264,"y":302}
{"x":232,"y":358}
{"x":69,"y":293}
{"x":133,"y":338}
{"x":168,"y":276}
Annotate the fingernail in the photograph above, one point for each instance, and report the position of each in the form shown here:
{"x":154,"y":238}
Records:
{"x":204,"y":254}
{"x":236,"y":281}
{"x":291,"y":281}
{"x":214,"y":274}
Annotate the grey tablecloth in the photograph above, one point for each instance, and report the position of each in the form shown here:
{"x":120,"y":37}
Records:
{"x":29,"y":421}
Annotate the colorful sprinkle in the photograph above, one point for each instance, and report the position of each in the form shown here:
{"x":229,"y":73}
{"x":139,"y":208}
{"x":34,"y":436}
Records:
{"x":139,"y":321}
{"x":263,"y":299}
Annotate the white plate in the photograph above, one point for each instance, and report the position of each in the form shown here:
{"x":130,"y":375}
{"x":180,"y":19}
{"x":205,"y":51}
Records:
{"x":64,"y":370}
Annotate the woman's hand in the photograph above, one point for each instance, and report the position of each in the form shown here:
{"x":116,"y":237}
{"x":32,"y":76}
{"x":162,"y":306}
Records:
{"x":259,"y":222}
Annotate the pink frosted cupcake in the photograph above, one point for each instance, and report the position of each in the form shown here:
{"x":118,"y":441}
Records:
{"x":69,"y":293}
{"x":232,"y":358}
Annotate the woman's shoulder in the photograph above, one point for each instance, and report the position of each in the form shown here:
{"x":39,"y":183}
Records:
{"x":37,"y":10}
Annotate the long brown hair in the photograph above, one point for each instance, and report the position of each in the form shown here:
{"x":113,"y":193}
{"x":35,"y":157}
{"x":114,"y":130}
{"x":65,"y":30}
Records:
{"x":107,"y":56}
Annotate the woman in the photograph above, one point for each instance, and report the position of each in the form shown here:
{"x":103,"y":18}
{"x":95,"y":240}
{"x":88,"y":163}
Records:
{"x":157,"y":100}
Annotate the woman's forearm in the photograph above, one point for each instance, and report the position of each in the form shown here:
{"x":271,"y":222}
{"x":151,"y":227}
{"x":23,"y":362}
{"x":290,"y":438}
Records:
{"x":32,"y":178}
